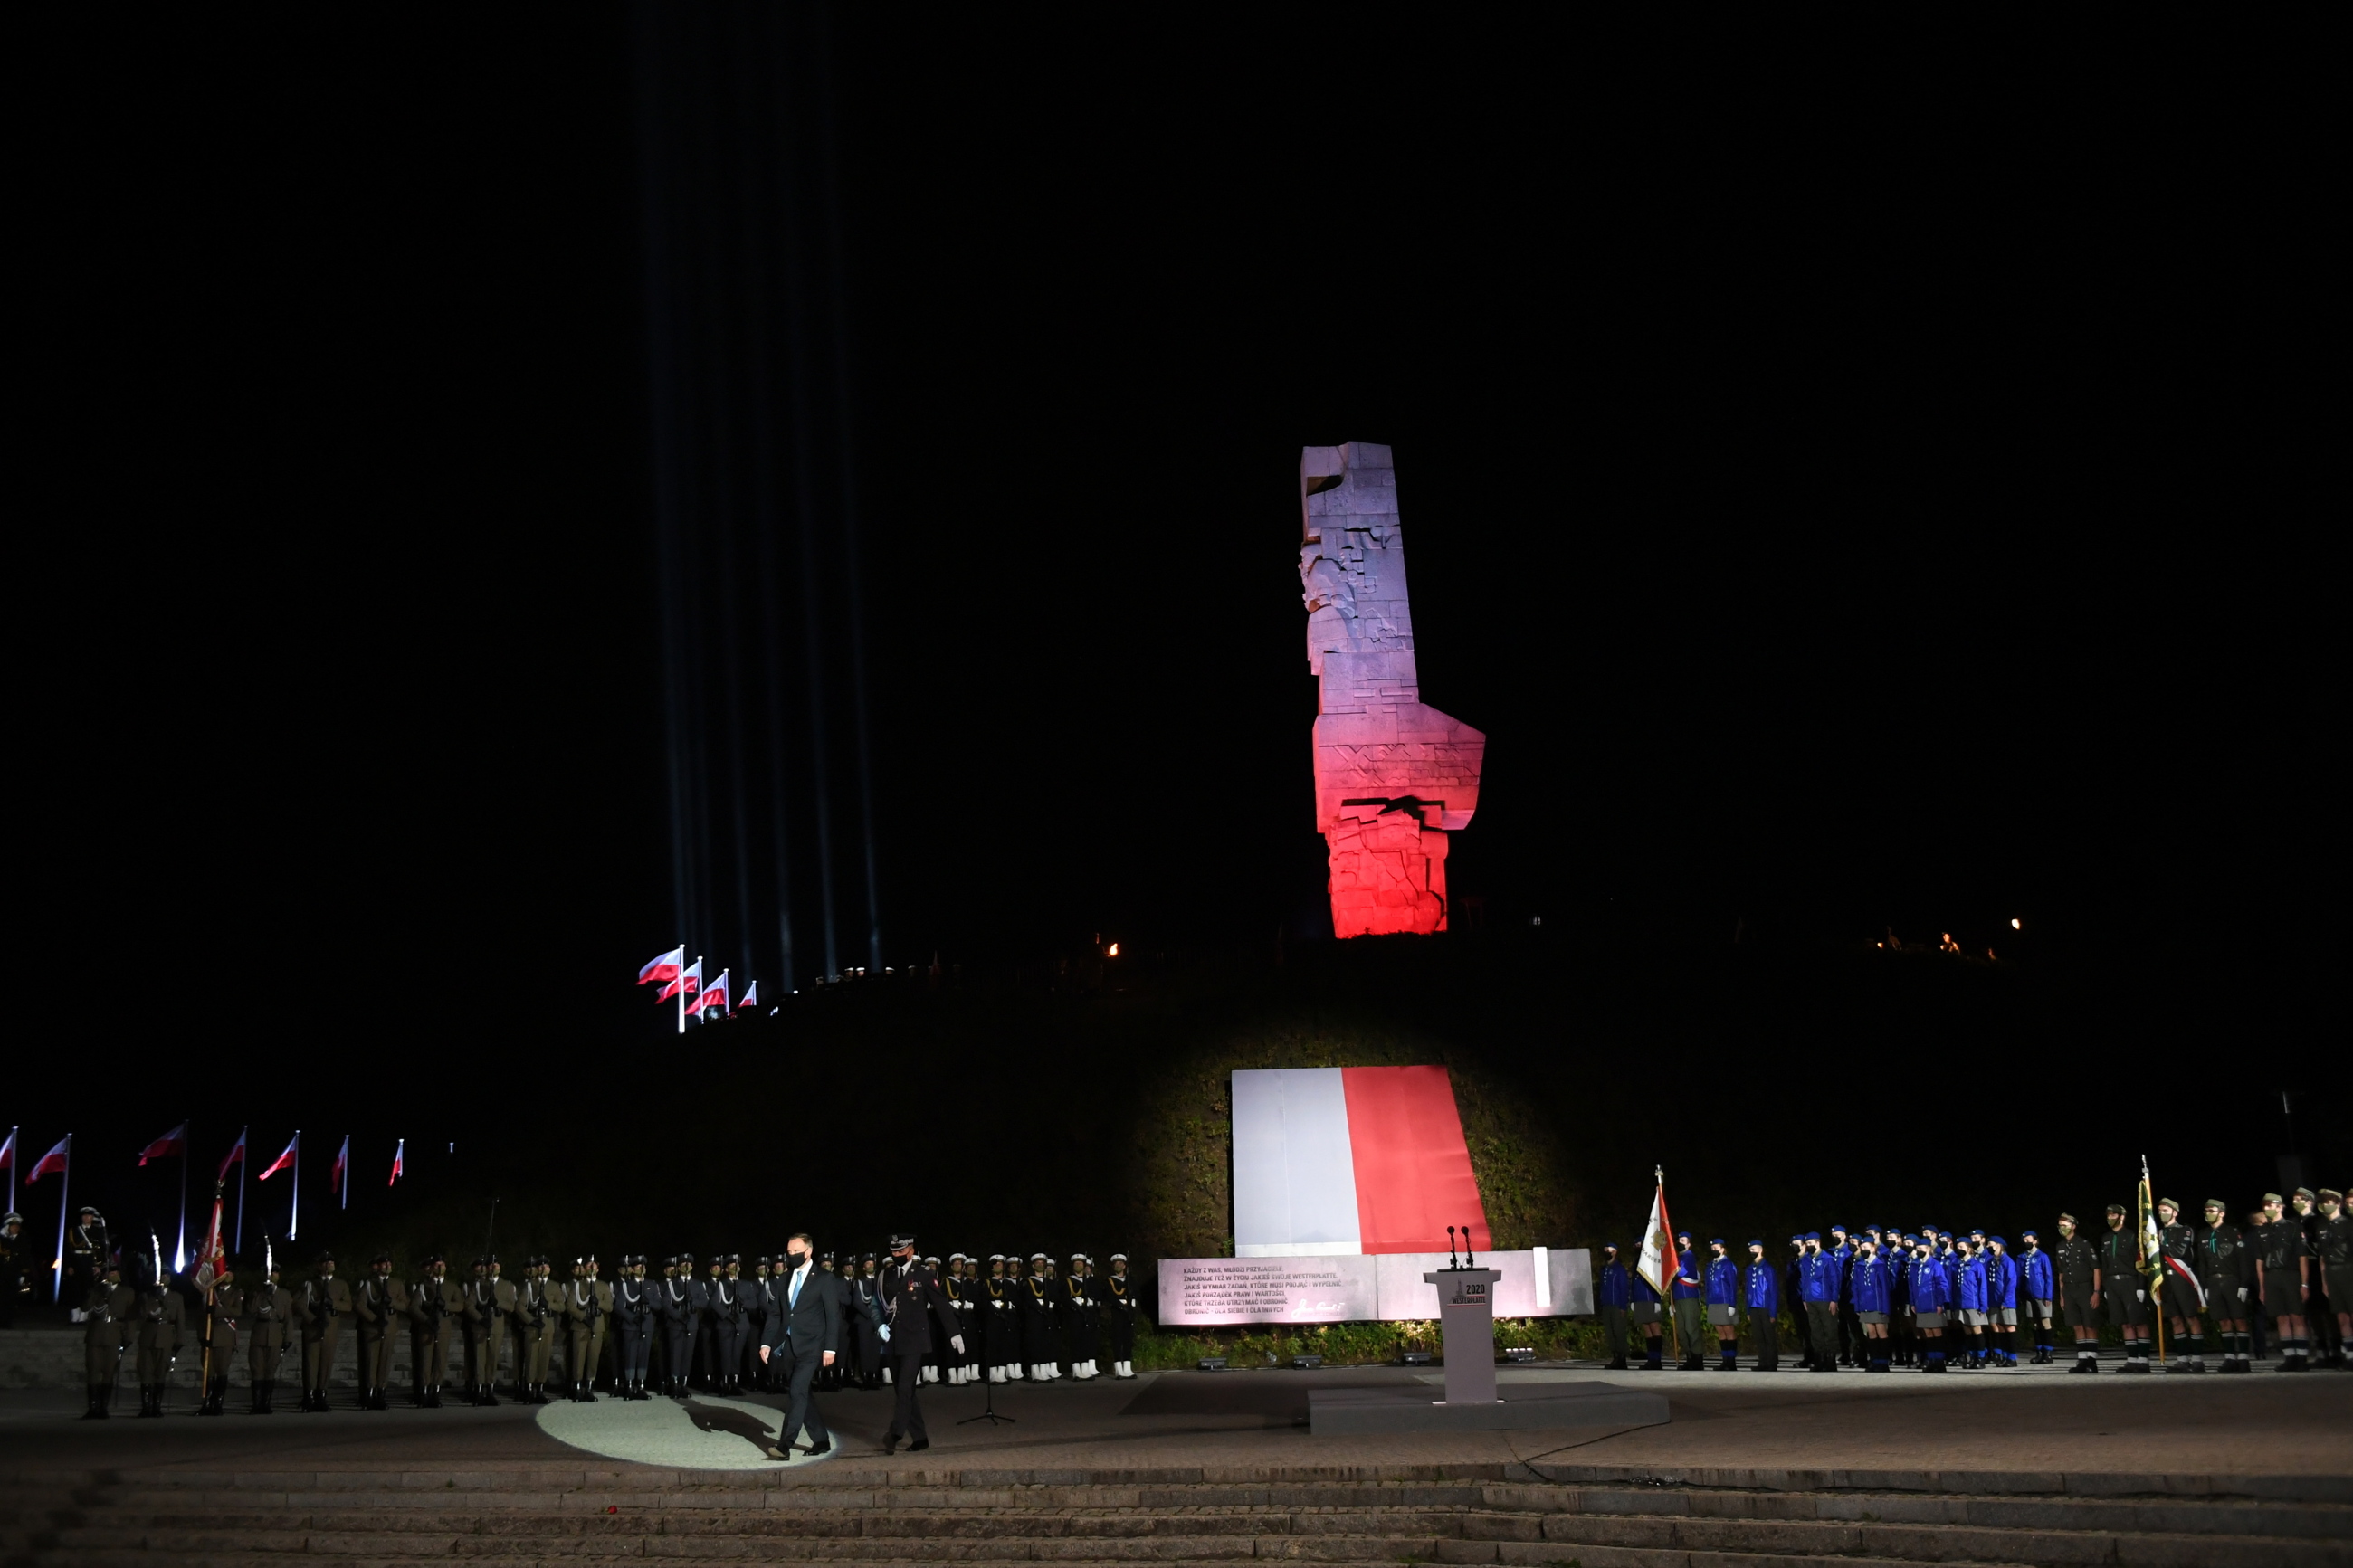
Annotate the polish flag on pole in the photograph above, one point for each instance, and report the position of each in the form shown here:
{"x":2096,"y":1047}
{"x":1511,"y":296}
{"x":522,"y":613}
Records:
{"x":235,"y":1155}
{"x":1658,"y":1262}
{"x":713,"y":994}
{"x":751,"y":997}
{"x":339,"y":1173}
{"x":399,"y":1150}
{"x":284,"y":1160}
{"x":8,"y":1158}
{"x":55,"y":1160}
{"x":685,"y":983}
{"x":665,"y":968}
{"x":60,"y":1160}
{"x":175,"y":1141}
{"x":211,"y":1256}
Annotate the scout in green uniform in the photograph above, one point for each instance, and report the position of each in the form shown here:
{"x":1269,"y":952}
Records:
{"x":106,"y":1315}
{"x":2177,"y":1243}
{"x":2075,"y":1270}
{"x":269,"y":1319}
{"x":2333,"y":1240}
{"x":602,"y":1290}
{"x":2223,"y":1266}
{"x":2283,"y":1267}
{"x":2125,"y":1290}
{"x":489,"y":1303}
{"x":434,"y":1304}
{"x":221,"y":1317}
{"x":160,"y":1319}
{"x":380,"y":1307}
{"x":321,"y":1304}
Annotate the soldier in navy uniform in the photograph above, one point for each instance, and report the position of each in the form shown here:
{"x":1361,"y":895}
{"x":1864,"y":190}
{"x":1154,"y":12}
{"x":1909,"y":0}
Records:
{"x":1080,"y":1312}
{"x":633,"y":1326}
{"x":1119,"y":1317}
{"x":673,"y":1304}
{"x":1760,"y":1296}
{"x":1037,"y":1306}
{"x":862,"y":1303}
{"x":1001,"y":1335}
{"x":914,"y":1308}
{"x":757,"y":1305}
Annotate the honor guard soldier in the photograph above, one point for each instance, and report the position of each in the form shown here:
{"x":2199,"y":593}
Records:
{"x":1001,"y":1335}
{"x":1690,"y":1304}
{"x":673,"y":1305}
{"x":757,"y":1304}
{"x":2225,"y":1266}
{"x":861,"y":1316}
{"x":322,"y":1303}
{"x":975,"y":1327}
{"x":2282,"y":1263}
{"x":379,"y":1304}
{"x":15,"y":1273}
{"x":87,"y":1249}
{"x":539,"y":1306}
{"x":581,"y":1320}
{"x":2126,"y":1292}
{"x":2333,"y":1246}
{"x":633,"y":1326}
{"x":1037,"y":1307}
{"x":1760,"y":1295}
{"x":1079,"y":1311}
{"x":437,"y":1305}
{"x":2076,"y":1269}
{"x":1119,"y":1317}
{"x":938,"y":1358}
{"x":1613,"y":1293}
{"x":602,"y":1289}
{"x":1722,"y":1285}
{"x":490,"y":1307}
{"x":222,"y":1314}
{"x":952,"y":1286}
{"x":160,"y":1318}
{"x":2178,"y":1288}
{"x":913,"y":1305}
{"x":108,"y":1309}
{"x":270,"y":1323}
{"x":698,"y":1308}
{"x":722,"y":1343}
{"x":2039,"y":1292}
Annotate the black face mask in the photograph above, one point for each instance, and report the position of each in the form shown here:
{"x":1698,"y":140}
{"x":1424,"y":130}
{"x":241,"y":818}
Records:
{"x":793,"y":1260}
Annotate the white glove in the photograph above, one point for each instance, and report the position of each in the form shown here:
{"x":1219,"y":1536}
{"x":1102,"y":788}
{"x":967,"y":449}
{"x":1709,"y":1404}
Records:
{"x":957,"y":1343}
{"x":886,"y":1333}
{"x":2142,"y":1294}
{"x":2243,"y":1292}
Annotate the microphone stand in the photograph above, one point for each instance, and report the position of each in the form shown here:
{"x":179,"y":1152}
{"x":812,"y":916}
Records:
{"x":989,"y":1409}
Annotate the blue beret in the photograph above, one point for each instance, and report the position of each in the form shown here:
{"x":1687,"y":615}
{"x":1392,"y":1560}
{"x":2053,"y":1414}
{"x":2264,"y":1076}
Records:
{"x":1715,"y":1241}
{"x":1997,"y":1238}
{"x":1799,"y":1236}
{"x":1755,"y":1244}
{"x":1609,"y":1247}
{"x":2028,"y":1236}
{"x":1838,"y":1227}
{"x":1683,"y":1236}
{"x":1813,"y":1235}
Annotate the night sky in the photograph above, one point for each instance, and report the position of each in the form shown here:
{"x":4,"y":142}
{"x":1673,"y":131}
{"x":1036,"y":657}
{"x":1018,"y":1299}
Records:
{"x":1848,"y":500}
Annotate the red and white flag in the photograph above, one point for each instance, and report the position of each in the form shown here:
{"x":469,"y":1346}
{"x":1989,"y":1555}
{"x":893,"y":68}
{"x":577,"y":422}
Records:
{"x":665,"y":968}
{"x":8,"y":1151}
{"x":175,"y":1141}
{"x":1658,"y":1261}
{"x":713,"y":996}
{"x":2189,"y":1276}
{"x":688,"y":980}
{"x":343,"y":1163}
{"x":292,"y":1148}
{"x":751,"y":997}
{"x":212,"y":1256}
{"x":399,"y":1150}
{"x":235,"y":1156}
{"x":1350,"y":1162}
{"x":55,"y":1160}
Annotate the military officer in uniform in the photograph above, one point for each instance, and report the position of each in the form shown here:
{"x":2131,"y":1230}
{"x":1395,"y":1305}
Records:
{"x":757,"y":1302}
{"x":633,"y":1327}
{"x":378,"y":1307}
{"x":437,"y":1309}
{"x":2332,"y":1243}
{"x":221,"y":1318}
{"x":1119,"y":1317}
{"x":160,"y":1319}
{"x":107,"y":1309}
{"x":1037,"y":1308}
{"x":698,"y":1303}
{"x":323,"y":1304}
{"x":86,"y":1249}
{"x":1000,"y":1329}
{"x":538,"y":1308}
{"x":2077,"y":1270}
{"x":16,"y":1271}
{"x":269,"y":1320}
{"x":603,"y":1290}
{"x":577,"y":1325}
{"x":862,"y":1308}
{"x":490,"y":1307}
{"x":913,"y":1309}
{"x":2283,"y":1265}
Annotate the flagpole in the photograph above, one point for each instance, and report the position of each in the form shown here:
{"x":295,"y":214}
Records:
{"x":243,"y":1155}
{"x":65,"y":1196}
{"x":180,"y":1248}
{"x":2156,"y":1286}
{"x":16,"y":1158}
{"x":294,"y":1219}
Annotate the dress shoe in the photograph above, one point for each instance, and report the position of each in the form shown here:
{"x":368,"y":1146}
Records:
{"x":917,"y":1447}
{"x":890,"y":1442}
{"x":824,"y":1448}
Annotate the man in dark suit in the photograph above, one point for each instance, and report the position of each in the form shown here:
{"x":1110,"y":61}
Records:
{"x":803,"y":1335}
{"x":914,"y":1310}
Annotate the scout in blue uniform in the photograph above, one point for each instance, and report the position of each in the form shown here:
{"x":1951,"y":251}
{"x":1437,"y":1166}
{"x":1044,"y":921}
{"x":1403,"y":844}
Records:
{"x":1760,"y":1293}
{"x":1645,"y":1311}
{"x":1818,"y":1288}
{"x":1791,"y":1282}
{"x":1970,"y":1296}
{"x":1930,"y":1294}
{"x":2040,"y":1287}
{"x":1723,"y":1304}
{"x":1868,"y":1290}
{"x":1690,"y":1304}
{"x":1902,"y":1339}
{"x":2001,"y":1295}
{"x":1841,"y":1253}
{"x":1613,"y":1293}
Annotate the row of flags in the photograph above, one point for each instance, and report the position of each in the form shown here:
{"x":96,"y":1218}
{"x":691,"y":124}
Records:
{"x":59,"y":1161}
{"x":682,"y":980}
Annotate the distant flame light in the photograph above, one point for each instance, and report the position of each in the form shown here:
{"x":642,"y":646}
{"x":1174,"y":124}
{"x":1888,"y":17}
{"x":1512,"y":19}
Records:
{"x":2015,"y":926}
{"x":1115,"y":950}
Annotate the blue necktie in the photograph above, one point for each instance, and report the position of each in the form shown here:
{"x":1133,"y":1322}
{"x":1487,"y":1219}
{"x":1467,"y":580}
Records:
{"x":794,"y":1299}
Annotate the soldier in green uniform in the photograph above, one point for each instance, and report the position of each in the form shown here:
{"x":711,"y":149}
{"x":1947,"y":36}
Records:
{"x":2126,"y":1292}
{"x":2177,"y":1287}
{"x":2333,"y":1241}
{"x":106,"y":1315}
{"x":323,"y":1304}
{"x":381,"y":1306}
{"x":2222,"y":1266}
{"x":577,"y":1318}
{"x":434,"y":1304}
{"x":221,"y":1318}
{"x":2076,"y":1267}
{"x":489,"y":1303}
{"x":2283,"y":1267}
{"x":270,"y":1318}
{"x":160,"y":1318}
{"x":535,"y":1327}
{"x":601,"y":1290}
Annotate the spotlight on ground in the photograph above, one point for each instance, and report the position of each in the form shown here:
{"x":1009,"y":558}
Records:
{"x":1414,"y":1358}
{"x":1520,"y":1353}
{"x":1307,"y":1363}
{"x":1211,"y":1363}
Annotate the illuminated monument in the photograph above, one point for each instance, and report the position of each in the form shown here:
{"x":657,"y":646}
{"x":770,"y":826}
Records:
{"x":1393,"y":775}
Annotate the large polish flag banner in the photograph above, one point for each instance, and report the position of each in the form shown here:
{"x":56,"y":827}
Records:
{"x":1339,"y":1161}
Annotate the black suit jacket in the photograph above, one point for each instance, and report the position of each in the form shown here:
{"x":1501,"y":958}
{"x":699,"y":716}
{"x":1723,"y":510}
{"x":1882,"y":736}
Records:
{"x":812,"y":1324}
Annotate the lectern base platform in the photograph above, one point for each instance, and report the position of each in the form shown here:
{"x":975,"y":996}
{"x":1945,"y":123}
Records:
{"x":1345,"y":1411}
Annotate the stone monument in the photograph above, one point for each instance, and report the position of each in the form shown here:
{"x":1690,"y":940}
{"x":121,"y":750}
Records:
{"x":1393,"y":775}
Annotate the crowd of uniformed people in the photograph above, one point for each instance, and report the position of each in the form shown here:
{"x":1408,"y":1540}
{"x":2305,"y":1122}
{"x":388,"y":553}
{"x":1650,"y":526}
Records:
{"x":1881,"y":1297}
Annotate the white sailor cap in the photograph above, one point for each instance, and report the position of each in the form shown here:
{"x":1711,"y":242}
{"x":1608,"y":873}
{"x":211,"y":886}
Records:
{"x":955,"y":1257}
{"x":1040,"y":1258}
{"x":996,"y":1258}
{"x":1119,"y":1258}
